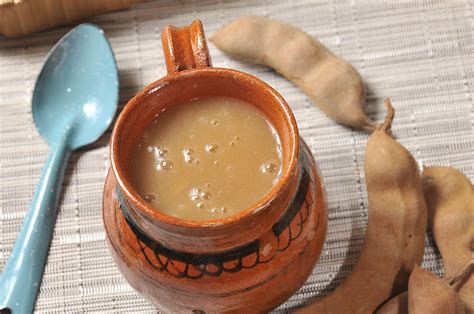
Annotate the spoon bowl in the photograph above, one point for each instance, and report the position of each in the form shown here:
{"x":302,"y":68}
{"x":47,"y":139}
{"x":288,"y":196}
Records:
{"x":74,"y":102}
{"x":74,"y":95}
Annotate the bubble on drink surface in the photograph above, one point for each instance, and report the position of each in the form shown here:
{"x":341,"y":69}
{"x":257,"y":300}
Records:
{"x":213,"y":210}
{"x":188,"y":155}
{"x":195,"y":193}
{"x":207,"y":185}
{"x":188,"y":159}
{"x":214,"y":122}
{"x":161,"y":152}
{"x":211,"y":148}
{"x":150,"y":197}
{"x":268,"y":167}
{"x":196,"y":161}
{"x":157,"y":151}
{"x":236,"y":137}
{"x":232,"y":143}
{"x":164,"y":164}
{"x":224,"y":209}
{"x":216,"y":162}
{"x":201,"y":205}
{"x":205,"y":195}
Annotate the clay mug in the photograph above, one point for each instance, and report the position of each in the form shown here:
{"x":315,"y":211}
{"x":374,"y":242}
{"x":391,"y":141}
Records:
{"x":250,"y":262}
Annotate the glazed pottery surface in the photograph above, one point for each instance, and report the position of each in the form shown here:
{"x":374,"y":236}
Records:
{"x":250,"y":262}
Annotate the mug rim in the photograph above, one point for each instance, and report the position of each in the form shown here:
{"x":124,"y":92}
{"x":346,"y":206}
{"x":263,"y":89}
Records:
{"x":153,"y":212}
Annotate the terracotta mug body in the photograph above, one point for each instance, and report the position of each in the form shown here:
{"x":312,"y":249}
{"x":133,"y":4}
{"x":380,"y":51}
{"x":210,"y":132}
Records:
{"x":248,"y":263}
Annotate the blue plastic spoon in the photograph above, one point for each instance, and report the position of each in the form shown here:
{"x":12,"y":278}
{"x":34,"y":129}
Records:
{"x":74,"y":102}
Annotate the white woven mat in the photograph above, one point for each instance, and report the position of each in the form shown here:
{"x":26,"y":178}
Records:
{"x":418,"y":53}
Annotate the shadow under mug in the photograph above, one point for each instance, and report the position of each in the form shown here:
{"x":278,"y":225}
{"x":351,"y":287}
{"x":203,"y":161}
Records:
{"x":252,"y":261}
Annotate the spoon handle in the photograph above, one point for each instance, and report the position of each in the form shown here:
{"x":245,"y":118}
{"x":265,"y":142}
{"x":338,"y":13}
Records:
{"x":22,"y":275}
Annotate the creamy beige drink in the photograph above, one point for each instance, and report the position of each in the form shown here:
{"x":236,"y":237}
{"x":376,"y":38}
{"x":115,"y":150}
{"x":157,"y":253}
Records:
{"x":207,"y":159}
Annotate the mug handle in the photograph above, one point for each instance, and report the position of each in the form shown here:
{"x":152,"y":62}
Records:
{"x":185,"y":48}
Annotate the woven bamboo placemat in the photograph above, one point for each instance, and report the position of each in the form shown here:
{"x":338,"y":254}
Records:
{"x":418,"y":53}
